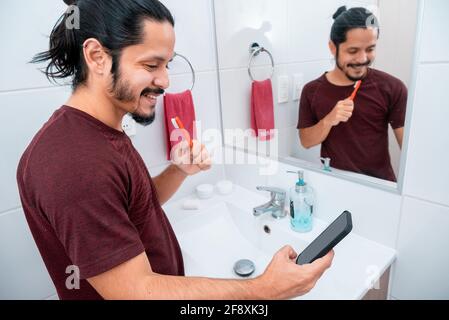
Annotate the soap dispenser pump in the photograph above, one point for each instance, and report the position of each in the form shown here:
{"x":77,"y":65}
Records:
{"x":301,"y":205}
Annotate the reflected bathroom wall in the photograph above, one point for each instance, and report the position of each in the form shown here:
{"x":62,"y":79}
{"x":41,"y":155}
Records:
{"x":396,"y":49}
{"x":297,"y":35}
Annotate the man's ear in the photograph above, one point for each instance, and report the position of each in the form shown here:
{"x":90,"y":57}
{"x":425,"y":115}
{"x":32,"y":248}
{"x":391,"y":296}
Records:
{"x":333,"y":48}
{"x":95,"y":56}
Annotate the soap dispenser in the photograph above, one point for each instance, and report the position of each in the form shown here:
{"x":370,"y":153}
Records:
{"x":301,"y":205}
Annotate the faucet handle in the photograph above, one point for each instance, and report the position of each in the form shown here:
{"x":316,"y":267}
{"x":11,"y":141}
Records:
{"x":276,"y":193}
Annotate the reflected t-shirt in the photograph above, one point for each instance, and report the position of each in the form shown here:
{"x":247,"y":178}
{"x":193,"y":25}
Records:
{"x":91,"y":204}
{"x":361,"y":145}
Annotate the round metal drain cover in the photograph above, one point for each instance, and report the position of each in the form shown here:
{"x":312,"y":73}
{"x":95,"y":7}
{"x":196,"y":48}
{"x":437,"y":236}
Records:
{"x":244,"y":268}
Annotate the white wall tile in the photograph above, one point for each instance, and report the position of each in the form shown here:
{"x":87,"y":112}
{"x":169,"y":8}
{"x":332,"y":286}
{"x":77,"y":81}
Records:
{"x":309,"y":29}
{"x":427,"y":175}
{"x":195,"y":35}
{"x":25,"y":29}
{"x":23,"y":274}
{"x":245,"y":170}
{"x":24,"y":114}
{"x":396,"y":45}
{"x":285,"y":143}
{"x":423,"y":261}
{"x":435,"y":47}
{"x":241,"y":23}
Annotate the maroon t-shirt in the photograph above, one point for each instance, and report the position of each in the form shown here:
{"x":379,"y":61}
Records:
{"x":90,"y":202}
{"x":361,"y":145}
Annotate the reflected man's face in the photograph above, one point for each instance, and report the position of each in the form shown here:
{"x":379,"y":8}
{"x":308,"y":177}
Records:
{"x":354,"y":56}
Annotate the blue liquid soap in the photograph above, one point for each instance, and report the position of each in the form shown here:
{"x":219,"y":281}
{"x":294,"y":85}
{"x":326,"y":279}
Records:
{"x":301,"y":220}
{"x":301,"y":206}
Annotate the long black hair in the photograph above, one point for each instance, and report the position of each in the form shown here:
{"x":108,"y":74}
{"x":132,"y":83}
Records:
{"x":116,"y":24}
{"x":346,"y":20}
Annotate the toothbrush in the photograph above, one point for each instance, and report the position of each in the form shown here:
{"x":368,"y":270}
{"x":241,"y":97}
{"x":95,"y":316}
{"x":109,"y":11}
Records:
{"x":357,"y":87}
{"x":177,"y":123}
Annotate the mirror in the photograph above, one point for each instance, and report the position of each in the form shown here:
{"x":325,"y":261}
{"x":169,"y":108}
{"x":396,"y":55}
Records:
{"x":316,"y":122}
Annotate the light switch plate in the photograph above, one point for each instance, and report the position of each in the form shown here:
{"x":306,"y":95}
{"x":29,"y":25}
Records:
{"x":129,"y":126}
{"x":283,"y":89}
{"x":298,"y":85}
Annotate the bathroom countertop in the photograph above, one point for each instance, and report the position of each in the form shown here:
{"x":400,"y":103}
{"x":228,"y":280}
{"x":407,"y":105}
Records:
{"x":358,"y":262}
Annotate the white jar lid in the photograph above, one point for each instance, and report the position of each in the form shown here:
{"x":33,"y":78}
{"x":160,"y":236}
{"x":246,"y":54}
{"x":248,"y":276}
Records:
{"x":205,"y":191}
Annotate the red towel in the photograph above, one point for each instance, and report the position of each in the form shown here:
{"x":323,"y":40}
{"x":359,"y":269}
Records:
{"x":262,"y":109}
{"x":179,"y":105}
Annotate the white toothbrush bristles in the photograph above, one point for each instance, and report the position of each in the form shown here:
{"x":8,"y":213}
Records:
{"x":175,"y":124}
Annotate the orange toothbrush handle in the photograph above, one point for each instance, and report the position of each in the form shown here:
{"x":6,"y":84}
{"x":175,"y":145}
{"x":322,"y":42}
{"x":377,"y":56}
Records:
{"x":354,"y":93}
{"x":181,"y":126}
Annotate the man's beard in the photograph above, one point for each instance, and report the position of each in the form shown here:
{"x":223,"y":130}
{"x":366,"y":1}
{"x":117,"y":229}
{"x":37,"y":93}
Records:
{"x":144,"y":120}
{"x":355,"y":79}
{"x":123,"y":93}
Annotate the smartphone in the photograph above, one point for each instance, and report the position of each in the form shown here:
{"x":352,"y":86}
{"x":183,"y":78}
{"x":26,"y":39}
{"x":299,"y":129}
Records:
{"x":327,"y":240}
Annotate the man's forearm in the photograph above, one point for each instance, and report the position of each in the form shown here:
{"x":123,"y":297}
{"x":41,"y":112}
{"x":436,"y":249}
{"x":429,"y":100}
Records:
{"x":168,"y":182}
{"x":399,"y":133}
{"x":315,"y":135}
{"x":135,"y":280}
{"x":161,"y":287}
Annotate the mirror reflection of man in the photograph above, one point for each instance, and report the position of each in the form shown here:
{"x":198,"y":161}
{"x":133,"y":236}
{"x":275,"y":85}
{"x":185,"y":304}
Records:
{"x":354,"y":133}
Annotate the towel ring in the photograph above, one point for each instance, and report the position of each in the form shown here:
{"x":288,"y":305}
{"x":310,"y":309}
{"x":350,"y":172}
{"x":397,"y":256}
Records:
{"x":255,"y":50}
{"x":191,"y":68}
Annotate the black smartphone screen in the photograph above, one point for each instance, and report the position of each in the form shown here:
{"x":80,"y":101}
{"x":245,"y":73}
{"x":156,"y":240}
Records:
{"x":327,"y":240}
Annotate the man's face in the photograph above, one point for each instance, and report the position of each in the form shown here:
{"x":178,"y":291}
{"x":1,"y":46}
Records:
{"x":142,"y":75}
{"x":356,"y":54}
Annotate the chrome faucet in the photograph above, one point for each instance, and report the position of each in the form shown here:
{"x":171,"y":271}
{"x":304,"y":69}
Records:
{"x":276,"y":206}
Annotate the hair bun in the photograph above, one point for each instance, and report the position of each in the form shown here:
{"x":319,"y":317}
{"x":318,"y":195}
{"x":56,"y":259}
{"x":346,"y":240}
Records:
{"x":339,"y":12}
{"x":69,"y":2}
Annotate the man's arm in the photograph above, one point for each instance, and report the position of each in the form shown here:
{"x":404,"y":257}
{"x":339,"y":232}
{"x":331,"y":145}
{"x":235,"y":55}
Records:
{"x":399,"y":133}
{"x":186,"y":162}
{"x":313,"y":136}
{"x":135,"y":280}
{"x":168,"y":182}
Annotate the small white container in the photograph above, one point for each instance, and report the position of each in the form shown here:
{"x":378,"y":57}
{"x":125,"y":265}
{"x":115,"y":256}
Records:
{"x":191,"y":204}
{"x":225,"y":187}
{"x":205,"y":191}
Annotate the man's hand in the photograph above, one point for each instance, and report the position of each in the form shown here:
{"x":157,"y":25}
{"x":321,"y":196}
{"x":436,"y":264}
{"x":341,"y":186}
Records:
{"x":342,"y":112}
{"x":191,"y":161}
{"x":186,"y":162}
{"x":284,"y":279}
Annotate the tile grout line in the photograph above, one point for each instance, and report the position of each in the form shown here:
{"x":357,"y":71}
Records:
{"x":9,"y":211}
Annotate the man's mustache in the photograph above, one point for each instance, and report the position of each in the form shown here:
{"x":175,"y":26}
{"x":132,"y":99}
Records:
{"x":366,"y":64}
{"x":152,"y":91}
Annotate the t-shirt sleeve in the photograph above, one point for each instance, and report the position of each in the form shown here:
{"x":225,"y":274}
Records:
{"x":88,"y":211}
{"x":398,"y":107}
{"x":307,"y":117}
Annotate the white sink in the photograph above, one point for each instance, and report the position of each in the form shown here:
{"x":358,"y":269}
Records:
{"x":214,"y":239}
{"x":224,"y":231}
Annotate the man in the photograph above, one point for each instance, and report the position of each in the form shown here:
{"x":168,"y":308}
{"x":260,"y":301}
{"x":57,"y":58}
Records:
{"x":87,"y":195}
{"x":354,"y":133}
